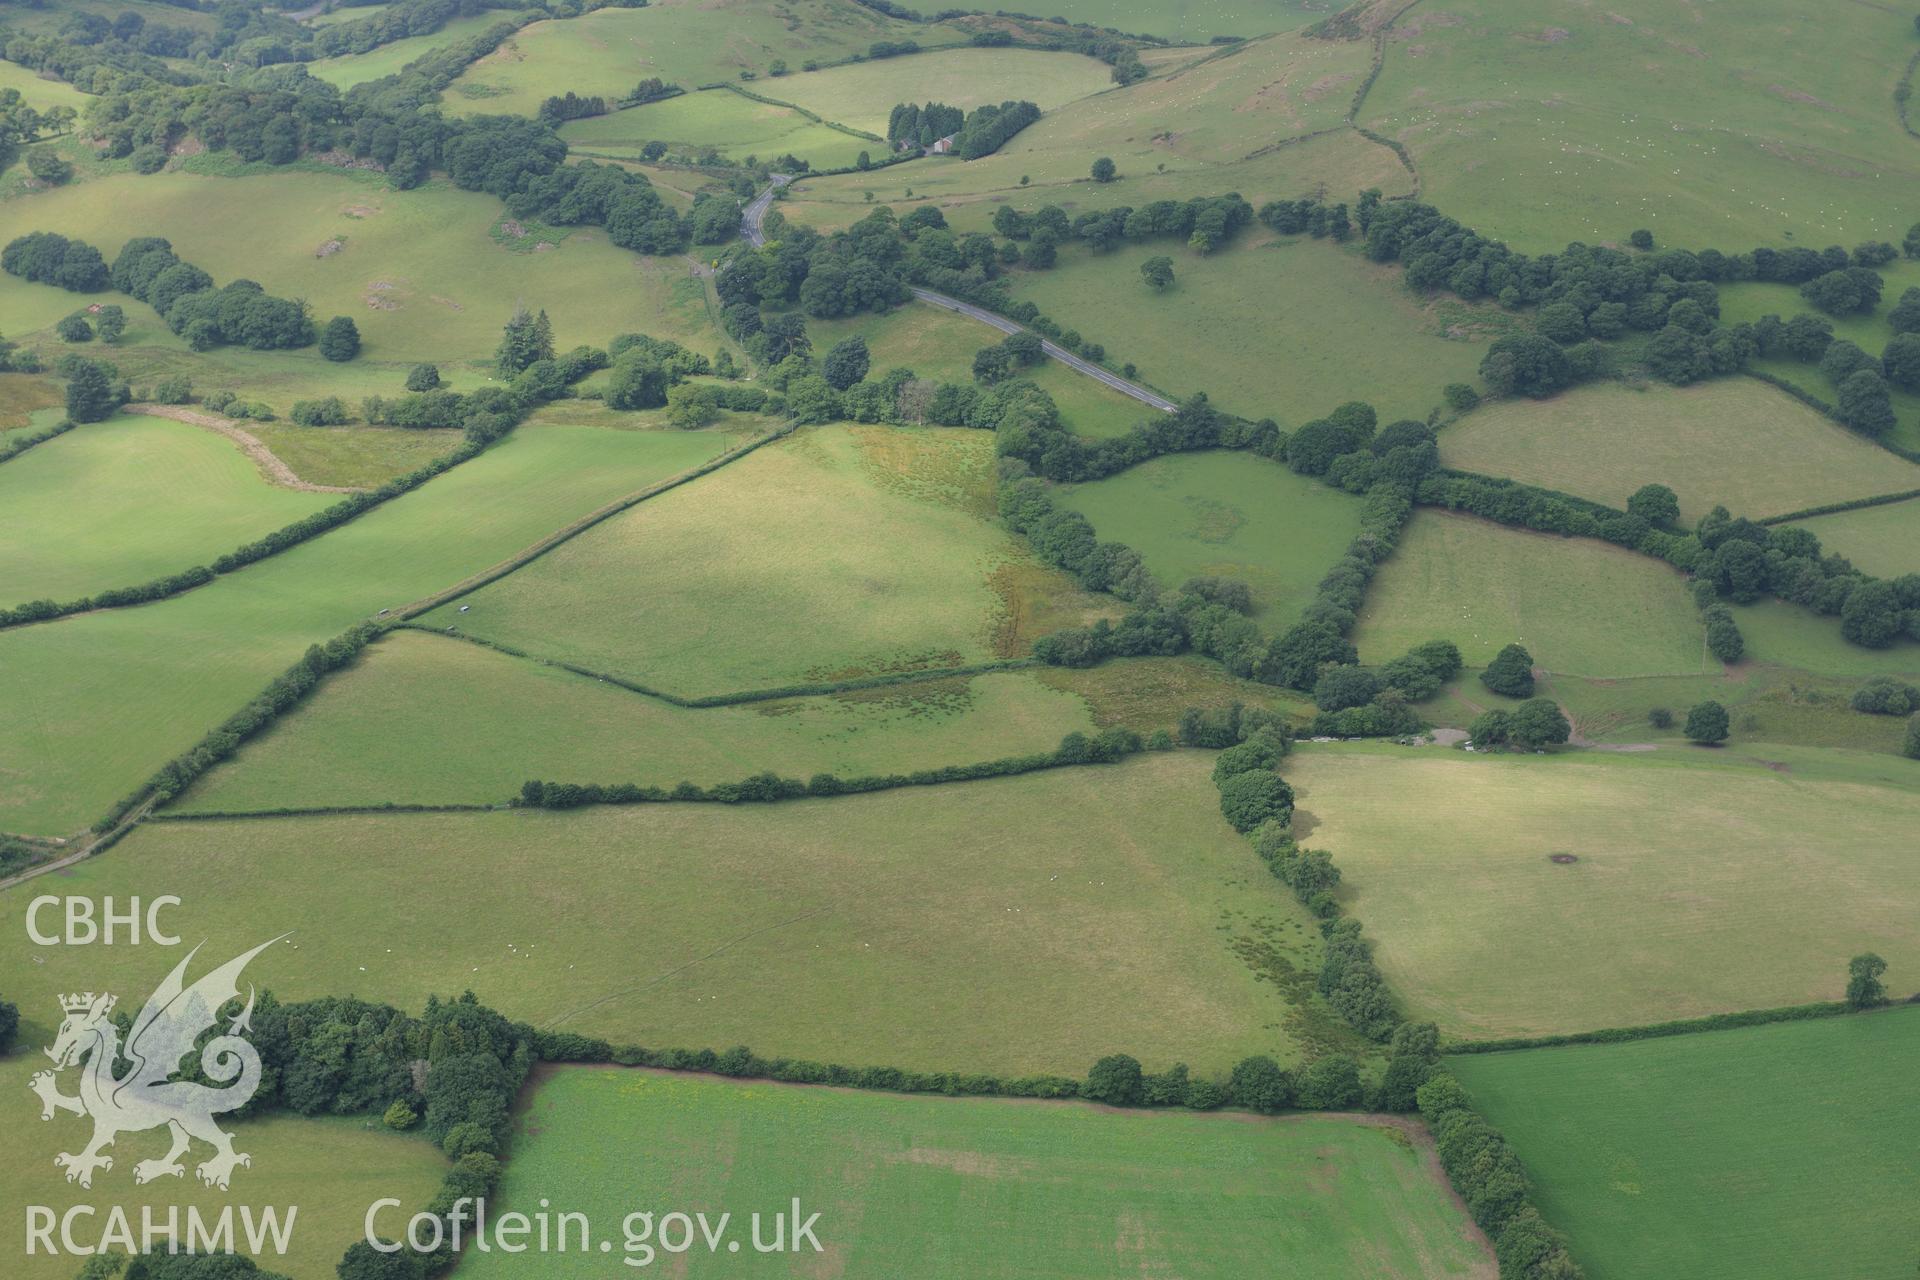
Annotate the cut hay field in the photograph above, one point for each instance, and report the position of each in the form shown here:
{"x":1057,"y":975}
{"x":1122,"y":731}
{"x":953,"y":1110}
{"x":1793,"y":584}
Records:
{"x":427,"y":720}
{"x":1884,"y":541}
{"x":351,"y":69}
{"x":1578,"y":605}
{"x":685,"y":42}
{"x":1769,"y":1153}
{"x":765,"y":575}
{"x":96,"y":702}
{"x":861,"y":95}
{"x":419,"y":271}
{"x":1225,"y":515}
{"x":735,"y":126}
{"x":1284,"y":329}
{"x":330,"y":1169}
{"x":1736,"y":443}
{"x":1686,"y":856}
{"x":1018,"y":925}
{"x":1241,"y":120}
{"x":940,"y":344}
{"x":968,"y":1186}
{"x":116,"y":503}
{"x":1707,"y":125}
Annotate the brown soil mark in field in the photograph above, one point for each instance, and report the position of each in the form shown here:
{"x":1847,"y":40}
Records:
{"x":276,"y":471}
{"x":327,"y":248}
{"x":1563,"y":859}
{"x":1324,"y":85}
{"x":1795,"y":95}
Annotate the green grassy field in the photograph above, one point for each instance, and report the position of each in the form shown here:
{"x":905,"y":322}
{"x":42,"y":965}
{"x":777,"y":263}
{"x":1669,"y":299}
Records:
{"x":992,"y":926}
{"x":328,"y":1169}
{"x":688,"y":42}
{"x":40,"y":93}
{"x":1720,"y":444}
{"x":351,"y":69}
{"x":1687,"y":856}
{"x":1225,"y":515}
{"x":765,"y":575}
{"x":1706,"y":125}
{"x":735,"y":126}
{"x":861,"y":95}
{"x":46,"y":19}
{"x":424,"y":720}
{"x":1195,"y":19}
{"x":1283,"y":329}
{"x":1789,"y":636}
{"x":97,"y":702}
{"x":1238,"y":121}
{"x":940,"y":344}
{"x":1578,"y":605}
{"x":952,"y":1186}
{"x":419,"y":271}
{"x":1884,"y":541}
{"x":120,"y":502}
{"x":1771,"y":1153}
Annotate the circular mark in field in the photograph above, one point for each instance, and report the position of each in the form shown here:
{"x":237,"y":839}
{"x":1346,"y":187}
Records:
{"x":1562,"y":859}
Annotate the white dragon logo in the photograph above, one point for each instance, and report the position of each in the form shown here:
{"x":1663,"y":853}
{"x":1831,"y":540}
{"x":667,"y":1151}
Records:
{"x":146,"y":1096}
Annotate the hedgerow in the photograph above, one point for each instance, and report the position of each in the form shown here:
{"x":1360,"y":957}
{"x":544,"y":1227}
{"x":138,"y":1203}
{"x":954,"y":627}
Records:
{"x":1106,"y":747}
{"x":1494,"y":1184}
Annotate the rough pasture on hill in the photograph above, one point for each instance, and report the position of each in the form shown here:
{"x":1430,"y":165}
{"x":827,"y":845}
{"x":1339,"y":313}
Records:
{"x":660,"y":924}
{"x":1225,"y":515}
{"x":122,"y":502}
{"x":703,"y":592}
{"x":860,"y":95}
{"x":103,"y":699}
{"x":1072,"y":1189}
{"x":1269,"y":328}
{"x":1253,"y":119}
{"x":1718,"y":444}
{"x":420,"y":272}
{"x":1197,"y":20}
{"x":1578,"y":605}
{"x":1708,"y":125}
{"x":426,"y":720}
{"x":1722,"y":1155}
{"x":1683,"y":857}
{"x":351,"y":69}
{"x":688,"y":42}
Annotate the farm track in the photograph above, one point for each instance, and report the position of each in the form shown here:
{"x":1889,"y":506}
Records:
{"x":755,"y":213}
{"x":275,"y":471}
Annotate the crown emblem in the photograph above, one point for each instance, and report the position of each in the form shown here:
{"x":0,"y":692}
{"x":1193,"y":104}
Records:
{"x":79,"y":1003}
